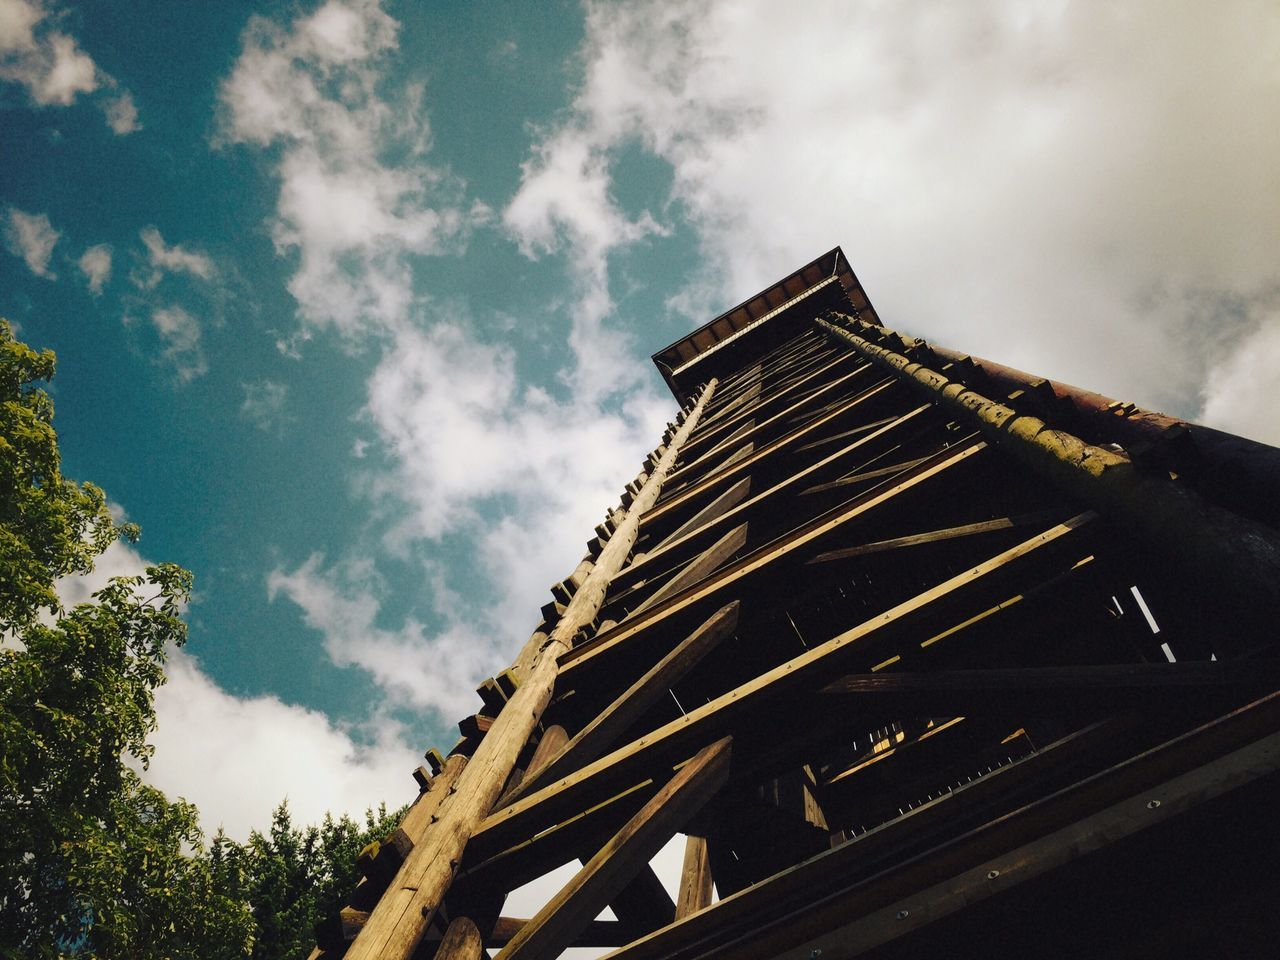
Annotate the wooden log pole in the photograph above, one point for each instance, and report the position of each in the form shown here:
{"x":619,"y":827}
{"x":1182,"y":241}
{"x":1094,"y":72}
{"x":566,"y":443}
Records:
{"x":1239,"y":560}
{"x":398,"y":923}
{"x":571,"y":910}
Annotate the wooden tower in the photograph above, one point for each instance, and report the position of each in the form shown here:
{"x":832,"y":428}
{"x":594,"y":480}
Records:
{"x":925,"y":656}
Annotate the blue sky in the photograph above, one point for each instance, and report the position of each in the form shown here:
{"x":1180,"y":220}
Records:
{"x":353,"y":300}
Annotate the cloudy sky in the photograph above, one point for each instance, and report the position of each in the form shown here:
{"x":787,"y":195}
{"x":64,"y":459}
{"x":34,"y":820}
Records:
{"x":353,"y":300}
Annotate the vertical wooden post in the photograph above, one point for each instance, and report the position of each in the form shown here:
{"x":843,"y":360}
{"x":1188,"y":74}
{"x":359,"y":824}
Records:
{"x":462,"y":941}
{"x":695,"y":878}
{"x":402,"y":915}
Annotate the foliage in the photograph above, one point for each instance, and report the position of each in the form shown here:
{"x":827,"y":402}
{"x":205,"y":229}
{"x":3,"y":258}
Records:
{"x":49,"y":526}
{"x":94,"y":862}
{"x":295,"y":877}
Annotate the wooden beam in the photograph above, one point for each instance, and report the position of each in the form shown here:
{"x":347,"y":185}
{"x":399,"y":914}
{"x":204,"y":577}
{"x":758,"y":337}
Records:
{"x":937,"y":536}
{"x":759,"y":559}
{"x":809,"y":671}
{"x":400,"y":919}
{"x":711,"y":430}
{"x":571,"y":910}
{"x":792,"y":480}
{"x":695,"y":878}
{"x":643,"y":903}
{"x":380,"y":860}
{"x":716,"y":508}
{"x":769,"y":449}
{"x":707,"y":563}
{"x":462,"y":941}
{"x":1237,"y":559}
{"x":1084,"y":819}
{"x":595,"y":738}
{"x":733,"y":915}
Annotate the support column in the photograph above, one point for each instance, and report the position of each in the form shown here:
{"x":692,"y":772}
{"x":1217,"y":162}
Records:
{"x":402,"y":916}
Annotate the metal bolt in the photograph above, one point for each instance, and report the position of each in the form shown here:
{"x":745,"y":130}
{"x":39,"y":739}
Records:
{"x":1153,"y":804}
{"x":903,"y":914}
{"x":993,"y":874}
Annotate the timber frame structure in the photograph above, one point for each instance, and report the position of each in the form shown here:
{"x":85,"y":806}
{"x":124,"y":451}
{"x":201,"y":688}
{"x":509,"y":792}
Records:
{"x":923,"y":655}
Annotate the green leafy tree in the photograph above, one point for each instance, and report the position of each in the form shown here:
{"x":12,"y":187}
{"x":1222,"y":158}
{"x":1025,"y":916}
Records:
{"x":93,"y":862}
{"x":295,"y":877}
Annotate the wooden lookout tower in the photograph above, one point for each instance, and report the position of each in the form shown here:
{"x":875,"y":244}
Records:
{"x":923,"y":655}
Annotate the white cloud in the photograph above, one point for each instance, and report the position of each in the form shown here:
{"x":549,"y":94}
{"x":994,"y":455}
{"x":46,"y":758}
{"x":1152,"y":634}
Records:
{"x":1051,"y":186}
{"x":1241,"y":392}
{"x":50,"y":65}
{"x":461,"y":452}
{"x":181,"y":341}
{"x":18,"y":19}
{"x":31,"y":236}
{"x":353,"y":221}
{"x":264,"y":403}
{"x":95,"y":264}
{"x":163,"y":258}
{"x":250,"y":753}
{"x":122,"y":113}
{"x":253,"y":752}
{"x":428,"y":670}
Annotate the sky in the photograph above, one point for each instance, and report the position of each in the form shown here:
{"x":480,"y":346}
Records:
{"x":353,"y":300}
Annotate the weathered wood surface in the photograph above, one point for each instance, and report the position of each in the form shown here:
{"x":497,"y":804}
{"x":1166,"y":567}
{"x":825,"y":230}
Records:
{"x":934,"y":468}
{"x":601,"y":733}
{"x":462,"y":941}
{"x":397,"y":924}
{"x":810,"y":670}
{"x":770,"y":497}
{"x":695,"y":878}
{"x":707,"y":563}
{"x":571,"y":910}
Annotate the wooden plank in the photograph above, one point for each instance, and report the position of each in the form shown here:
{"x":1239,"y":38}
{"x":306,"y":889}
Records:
{"x":792,"y":480}
{"x":695,"y":878}
{"x":711,"y":430}
{"x":714,"y":431}
{"x":863,"y":476}
{"x":759,"y":559}
{"x":571,"y":910}
{"x":697,"y":570}
{"x":716,"y":508}
{"x":936,"y":536}
{"x":809,"y":671}
{"x":769,"y":449}
{"x":602,"y":732}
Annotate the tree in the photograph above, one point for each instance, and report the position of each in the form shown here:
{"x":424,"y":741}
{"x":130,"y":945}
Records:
{"x":93,"y":861}
{"x":296,"y":877}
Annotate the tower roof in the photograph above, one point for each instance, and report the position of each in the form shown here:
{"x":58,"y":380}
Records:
{"x":762,"y":321}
